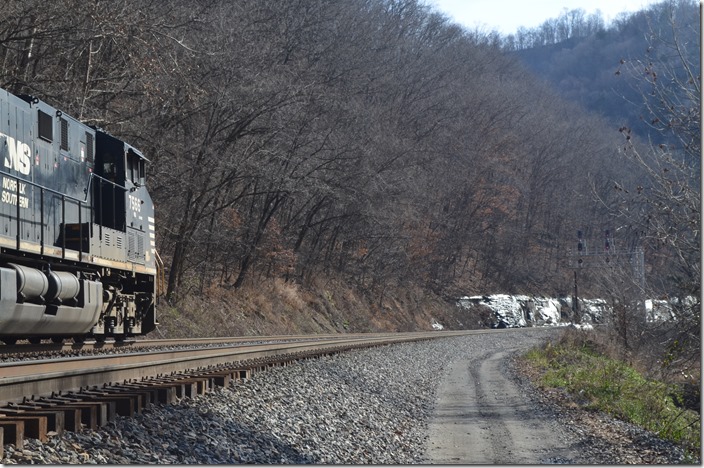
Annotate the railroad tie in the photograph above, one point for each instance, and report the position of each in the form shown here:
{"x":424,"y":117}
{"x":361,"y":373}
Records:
{"x":166,"y":392}
{"x":132,"y":400}
{"x":13,"y":432}
{"x":72,"y":414}
{"x":190,"y":387}
{"x":222,"y":377}
{"x":35,"y":427}
{"x":123,"y":406}
{"x":94,"y":414}
{"x":148,"y":394}
{"x":54,"y":419}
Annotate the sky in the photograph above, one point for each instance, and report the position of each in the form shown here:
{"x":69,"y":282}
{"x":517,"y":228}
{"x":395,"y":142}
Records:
{"x":506,"y":16}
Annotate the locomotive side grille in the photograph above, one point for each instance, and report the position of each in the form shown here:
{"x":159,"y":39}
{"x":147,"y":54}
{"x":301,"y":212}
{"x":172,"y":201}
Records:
{"x":64,"y":134}
{"x":135,"y":249}
{"x":111,"y":245}
{"x":89,"y":144}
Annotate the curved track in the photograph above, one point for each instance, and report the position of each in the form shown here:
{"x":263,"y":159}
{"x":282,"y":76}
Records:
{"x":53,"y":349}
{"x":38,"y":396}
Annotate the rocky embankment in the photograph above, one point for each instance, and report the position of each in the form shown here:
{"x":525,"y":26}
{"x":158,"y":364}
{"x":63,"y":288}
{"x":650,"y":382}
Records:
{"x":509,"y":311}
{"x":363,"y":407}
{"x":517,"y":311}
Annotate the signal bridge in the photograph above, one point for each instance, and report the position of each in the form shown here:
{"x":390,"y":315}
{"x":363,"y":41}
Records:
{"x":608,"y":256}
{"x":586,"y":259}
{"x":605,"y":257}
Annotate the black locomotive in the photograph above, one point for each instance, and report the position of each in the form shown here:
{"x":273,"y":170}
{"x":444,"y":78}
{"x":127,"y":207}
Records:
{"x":77,"y":251}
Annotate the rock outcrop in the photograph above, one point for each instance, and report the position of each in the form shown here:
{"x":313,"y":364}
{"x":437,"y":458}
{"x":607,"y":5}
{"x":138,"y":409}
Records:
{"x":508,"y":311}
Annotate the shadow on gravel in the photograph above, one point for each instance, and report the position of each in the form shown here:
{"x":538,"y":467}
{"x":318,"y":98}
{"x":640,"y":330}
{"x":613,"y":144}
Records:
{"x":197,"y":436}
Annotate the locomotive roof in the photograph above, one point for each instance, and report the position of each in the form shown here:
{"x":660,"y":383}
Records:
{"x":127,"y":145}
{"x":34,"y":100}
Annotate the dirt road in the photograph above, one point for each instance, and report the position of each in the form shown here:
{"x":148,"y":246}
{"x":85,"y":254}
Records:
{"x":482,"y":417}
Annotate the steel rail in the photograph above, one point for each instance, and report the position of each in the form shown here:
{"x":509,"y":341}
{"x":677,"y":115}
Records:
{"x":134,"y":343}
{"x":20,"y":380}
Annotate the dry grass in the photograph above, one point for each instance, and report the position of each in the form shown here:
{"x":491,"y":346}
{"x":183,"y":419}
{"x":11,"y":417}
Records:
{"x":279,"y":307}
{"x":289,"y":293}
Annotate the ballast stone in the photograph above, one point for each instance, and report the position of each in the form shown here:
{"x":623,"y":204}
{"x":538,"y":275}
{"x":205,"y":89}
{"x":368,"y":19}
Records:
{"x":367,"y":406}
{"x":362,"y":407}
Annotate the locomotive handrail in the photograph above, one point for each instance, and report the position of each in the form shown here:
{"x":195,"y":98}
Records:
{"x":94,"y":175}
{"x":17,"y":178}
{"x":87,"y":190}
{"x":64,"y":197}
{"x":160,"y":275}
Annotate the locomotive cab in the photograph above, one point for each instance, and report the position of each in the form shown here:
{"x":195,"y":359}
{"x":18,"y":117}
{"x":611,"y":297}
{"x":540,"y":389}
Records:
{"x":123,"y":236}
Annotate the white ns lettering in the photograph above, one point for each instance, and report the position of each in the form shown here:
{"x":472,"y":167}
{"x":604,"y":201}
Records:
{"x":17,"y":155}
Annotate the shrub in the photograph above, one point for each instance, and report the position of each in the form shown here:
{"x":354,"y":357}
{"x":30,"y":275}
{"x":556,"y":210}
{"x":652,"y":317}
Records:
{"x":598,"y":382}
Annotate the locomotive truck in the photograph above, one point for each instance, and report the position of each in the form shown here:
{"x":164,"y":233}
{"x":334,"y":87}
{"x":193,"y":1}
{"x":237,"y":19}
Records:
{"x":77,"y":232}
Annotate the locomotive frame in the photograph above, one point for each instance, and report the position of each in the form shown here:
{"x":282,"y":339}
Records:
{"x":77,"y":229}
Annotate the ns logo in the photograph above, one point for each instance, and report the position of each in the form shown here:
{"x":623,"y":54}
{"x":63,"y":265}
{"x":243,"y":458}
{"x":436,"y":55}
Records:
{"x":17,"y":155}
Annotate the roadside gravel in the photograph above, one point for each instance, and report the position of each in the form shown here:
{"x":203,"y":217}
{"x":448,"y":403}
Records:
{"x":362,"y":407}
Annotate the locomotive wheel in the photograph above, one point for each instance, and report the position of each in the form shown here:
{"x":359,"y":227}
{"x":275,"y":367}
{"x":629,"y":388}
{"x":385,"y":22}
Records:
{"x":79,"y":339}
{"x":57,"y":340}
{"x":35,"y":340}
{"x":9,"y":341}
{"x":100,"y":339}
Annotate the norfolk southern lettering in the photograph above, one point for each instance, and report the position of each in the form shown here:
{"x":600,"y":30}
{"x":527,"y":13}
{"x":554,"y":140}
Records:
{"x":10,"y":193}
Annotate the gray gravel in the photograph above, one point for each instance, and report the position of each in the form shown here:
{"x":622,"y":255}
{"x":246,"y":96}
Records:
{"x":362,"y":407}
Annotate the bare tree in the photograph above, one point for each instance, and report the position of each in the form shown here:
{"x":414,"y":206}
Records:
{"x":664,"y":206}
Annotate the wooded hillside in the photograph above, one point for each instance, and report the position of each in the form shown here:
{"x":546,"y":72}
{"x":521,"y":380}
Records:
{"x":370,"y":141}
{"x":583,"y":58}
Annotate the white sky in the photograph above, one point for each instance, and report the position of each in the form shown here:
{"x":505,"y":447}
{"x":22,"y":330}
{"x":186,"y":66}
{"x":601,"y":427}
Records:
{"x":506,"y":16}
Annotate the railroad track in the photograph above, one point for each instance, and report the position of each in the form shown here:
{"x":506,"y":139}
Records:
{"x":39,"y":397}
{"x":50,"y":347}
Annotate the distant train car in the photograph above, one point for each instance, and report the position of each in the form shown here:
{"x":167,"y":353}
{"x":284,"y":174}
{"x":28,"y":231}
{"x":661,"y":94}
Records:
{"x":77,"y":233}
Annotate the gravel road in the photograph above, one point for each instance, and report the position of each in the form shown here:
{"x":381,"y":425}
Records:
{"x":374,"y":406}
{"x":483,"y":417}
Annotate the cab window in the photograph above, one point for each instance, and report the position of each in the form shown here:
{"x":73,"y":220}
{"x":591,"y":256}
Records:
{"x":135,"y":168}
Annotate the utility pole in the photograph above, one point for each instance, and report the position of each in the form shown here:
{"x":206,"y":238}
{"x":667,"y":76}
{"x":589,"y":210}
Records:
{"x":581,"y":248}
{"x":575,"y":301}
